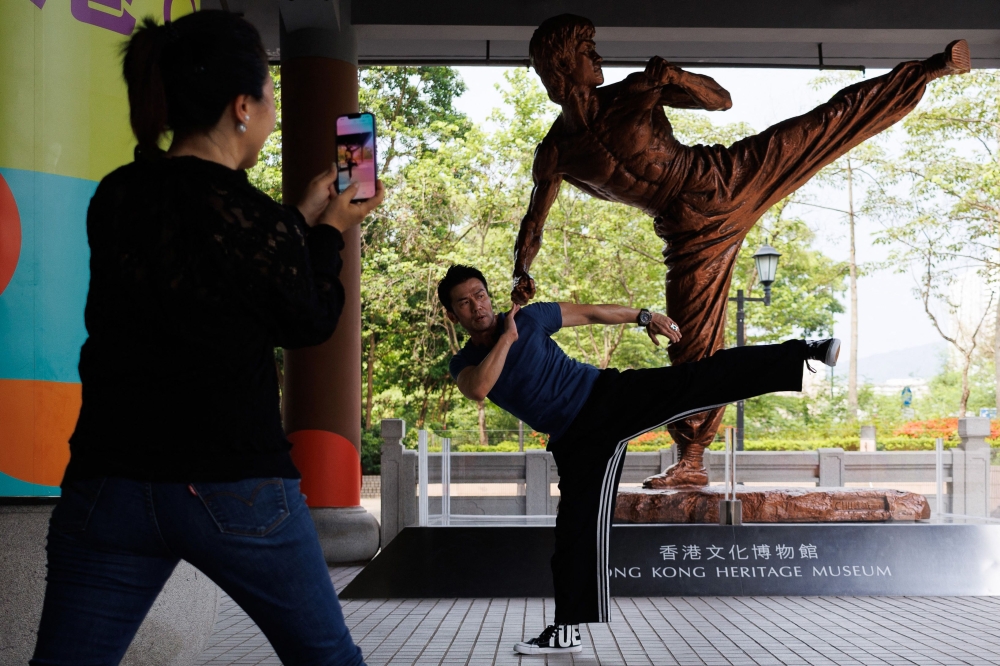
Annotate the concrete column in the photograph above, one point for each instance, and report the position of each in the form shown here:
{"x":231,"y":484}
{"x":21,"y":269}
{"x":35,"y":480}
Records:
{"x":393,"y":431}
{"x":973,"y":431}
{"x":831,"y":468}
{"x":536,"y":482}
{"x":399,"y":481}
{"x":975,"y":464}
{"x":322,"y":390}
{"x":175,"y":631}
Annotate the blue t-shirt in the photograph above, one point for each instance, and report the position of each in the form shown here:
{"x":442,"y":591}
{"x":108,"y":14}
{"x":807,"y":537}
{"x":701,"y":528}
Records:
{"x":539,"y":383}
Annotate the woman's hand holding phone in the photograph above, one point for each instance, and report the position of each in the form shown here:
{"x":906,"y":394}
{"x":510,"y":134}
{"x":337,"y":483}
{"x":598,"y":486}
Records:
{"x":318,"y":194}
{"x":343,"y":214}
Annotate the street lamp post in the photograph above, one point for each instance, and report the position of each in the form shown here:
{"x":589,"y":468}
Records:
{"x":766,"y":260}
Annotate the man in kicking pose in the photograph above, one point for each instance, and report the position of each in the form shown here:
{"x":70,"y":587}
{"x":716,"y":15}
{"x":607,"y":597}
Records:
{"x":615,"y":142}
{"x":591,"y":414}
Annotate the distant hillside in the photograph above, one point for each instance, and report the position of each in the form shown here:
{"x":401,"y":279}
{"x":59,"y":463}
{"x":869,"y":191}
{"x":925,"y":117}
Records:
{"x":924,"y":361}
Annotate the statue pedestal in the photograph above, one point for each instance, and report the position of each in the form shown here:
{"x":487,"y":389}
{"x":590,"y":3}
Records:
{"x":771,"y":505}
{"x":776,"y":559}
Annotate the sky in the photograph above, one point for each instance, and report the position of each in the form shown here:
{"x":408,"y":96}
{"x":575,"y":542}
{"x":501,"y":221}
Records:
{"x":890,"y":316}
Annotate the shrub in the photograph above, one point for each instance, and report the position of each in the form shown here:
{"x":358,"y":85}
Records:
{"x":651,"y":441}
{"x":945,"y":428}
{"x":846,"y":443}
{"x":371,"y":452}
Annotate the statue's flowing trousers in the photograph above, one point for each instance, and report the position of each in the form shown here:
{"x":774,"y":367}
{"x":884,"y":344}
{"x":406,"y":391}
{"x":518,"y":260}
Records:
{"x":591,"y":453}
{"x":725,"y":192}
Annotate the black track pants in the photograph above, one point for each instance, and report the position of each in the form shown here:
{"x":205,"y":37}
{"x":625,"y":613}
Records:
{"x":590,"y":454}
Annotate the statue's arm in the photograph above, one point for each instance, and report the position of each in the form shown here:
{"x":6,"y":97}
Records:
{"x":696,"y":96}
{"x":529,"y":238}
{"x":685,"y":90}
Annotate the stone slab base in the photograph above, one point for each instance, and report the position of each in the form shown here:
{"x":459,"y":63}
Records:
{"x":175,"y":630}
{"x":771,"y":505}
{"x":831,"y":559}
{"x":346,"y":534}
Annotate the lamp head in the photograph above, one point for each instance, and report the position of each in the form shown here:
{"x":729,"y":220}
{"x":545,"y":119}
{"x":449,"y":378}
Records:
{"x":766,"y":259}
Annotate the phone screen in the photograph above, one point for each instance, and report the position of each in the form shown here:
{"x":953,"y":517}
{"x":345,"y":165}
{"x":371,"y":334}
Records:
{"x":356,"y":154}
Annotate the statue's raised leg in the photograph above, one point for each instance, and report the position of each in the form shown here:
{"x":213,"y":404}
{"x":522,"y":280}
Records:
{"x":729,"y":189}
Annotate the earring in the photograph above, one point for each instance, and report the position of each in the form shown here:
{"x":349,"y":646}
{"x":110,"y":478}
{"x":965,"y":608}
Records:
{"x":241,"y":128}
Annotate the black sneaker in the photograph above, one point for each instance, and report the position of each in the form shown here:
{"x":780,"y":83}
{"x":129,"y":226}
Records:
{"x":824,"y":351}
{"x":556,"y":638}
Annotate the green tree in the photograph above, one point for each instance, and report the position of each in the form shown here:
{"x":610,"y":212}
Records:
{"x":266,"y":174}
{"x":415,"y":114}
{"x":456,"y":194}
{"x":414,"y":109}
{"x":942,"y":213}
{"x":851,"y":175}
{"x":805,"y":295}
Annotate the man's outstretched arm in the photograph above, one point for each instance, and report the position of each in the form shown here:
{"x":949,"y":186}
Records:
{"x":529,"y":237}
{"x":574,"y":314}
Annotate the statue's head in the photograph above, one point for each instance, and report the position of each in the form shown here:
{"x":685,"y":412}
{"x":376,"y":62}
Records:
{"x":562,"y":52}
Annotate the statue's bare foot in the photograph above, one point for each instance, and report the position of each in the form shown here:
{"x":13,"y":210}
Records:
{"x":682,"y":474}
{"x":956,"y":59}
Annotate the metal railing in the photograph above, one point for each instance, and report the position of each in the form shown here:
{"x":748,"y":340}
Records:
{"x":995,"y":483}
{"x":963,"y":476}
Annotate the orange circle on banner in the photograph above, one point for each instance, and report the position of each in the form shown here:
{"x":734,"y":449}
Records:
{"x":10,"y":234}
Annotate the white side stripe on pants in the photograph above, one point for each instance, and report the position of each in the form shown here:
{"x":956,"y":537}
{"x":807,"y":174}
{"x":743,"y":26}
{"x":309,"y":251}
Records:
{"x":606,"y":511}
{"x":604,"y":514}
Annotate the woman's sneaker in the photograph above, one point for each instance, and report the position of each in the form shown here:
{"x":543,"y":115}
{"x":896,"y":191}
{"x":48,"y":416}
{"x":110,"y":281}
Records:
{"x":556,"y":638}
{"x":825,"y":351}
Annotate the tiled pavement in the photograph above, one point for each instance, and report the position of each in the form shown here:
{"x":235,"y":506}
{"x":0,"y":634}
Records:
{"x":723,"y":631}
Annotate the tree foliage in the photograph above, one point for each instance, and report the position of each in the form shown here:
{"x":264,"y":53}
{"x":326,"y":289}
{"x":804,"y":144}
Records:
{"x":266,"y":174}
{"x":456,"y":194}
{"x":459,"y":198}
{"x":941,"y":207}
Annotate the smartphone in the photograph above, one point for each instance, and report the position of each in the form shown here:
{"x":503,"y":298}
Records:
{"x":356,"y":154}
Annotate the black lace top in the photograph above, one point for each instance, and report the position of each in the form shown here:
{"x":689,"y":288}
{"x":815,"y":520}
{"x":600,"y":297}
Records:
{"x":195,"y":277}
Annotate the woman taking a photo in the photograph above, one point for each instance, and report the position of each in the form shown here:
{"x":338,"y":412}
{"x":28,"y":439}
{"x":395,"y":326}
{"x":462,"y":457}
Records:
{"x":196,"y":277}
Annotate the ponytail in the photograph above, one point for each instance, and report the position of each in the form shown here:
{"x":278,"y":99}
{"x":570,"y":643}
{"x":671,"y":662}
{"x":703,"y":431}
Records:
{"x":147,"y":96}
{"x":182,"y":75}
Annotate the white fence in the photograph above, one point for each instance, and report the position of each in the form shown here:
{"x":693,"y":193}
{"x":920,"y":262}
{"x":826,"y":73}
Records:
{"x":965,"y":475}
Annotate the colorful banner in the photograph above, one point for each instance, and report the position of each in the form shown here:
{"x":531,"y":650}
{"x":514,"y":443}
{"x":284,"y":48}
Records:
{"x":63,"y":126}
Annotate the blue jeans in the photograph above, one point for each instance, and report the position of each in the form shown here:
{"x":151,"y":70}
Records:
{"x":114,"y":542}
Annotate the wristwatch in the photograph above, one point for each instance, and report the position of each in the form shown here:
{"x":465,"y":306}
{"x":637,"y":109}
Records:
{"x":645,"y":317}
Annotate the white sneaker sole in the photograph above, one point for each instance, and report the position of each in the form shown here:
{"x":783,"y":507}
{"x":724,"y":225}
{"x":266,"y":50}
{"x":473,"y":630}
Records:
{"x":833,"y":353}
{"x":524,"y":648}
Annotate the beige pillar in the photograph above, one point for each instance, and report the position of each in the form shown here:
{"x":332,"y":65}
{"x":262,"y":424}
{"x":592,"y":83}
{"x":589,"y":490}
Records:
{"x":322,"y":390}
{"x":322,"y":383}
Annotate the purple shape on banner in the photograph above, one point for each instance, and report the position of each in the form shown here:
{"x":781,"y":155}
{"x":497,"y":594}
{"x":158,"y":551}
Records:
{"x":85,"y":13}
{"x":38,"y":3}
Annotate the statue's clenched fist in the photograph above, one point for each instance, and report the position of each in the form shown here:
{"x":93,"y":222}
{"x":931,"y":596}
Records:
{"x":662,"y":71}
{"x":523,"y":288}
